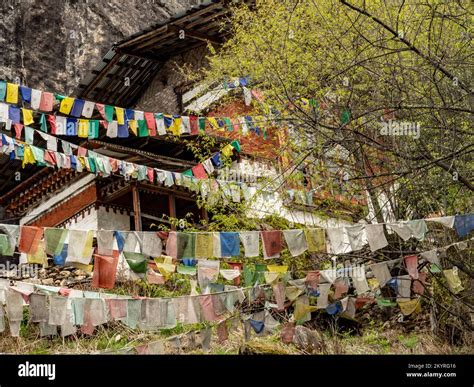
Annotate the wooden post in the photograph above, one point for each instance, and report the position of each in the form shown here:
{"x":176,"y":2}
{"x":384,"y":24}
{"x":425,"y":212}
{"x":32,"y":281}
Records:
{"x":172,"y":208}
{"x":136,"y":207}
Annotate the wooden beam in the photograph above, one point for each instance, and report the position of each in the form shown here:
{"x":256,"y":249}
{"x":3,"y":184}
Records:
{"x":137,"y":215}
{"x":97,"y":79}
{"x":164,"y":29}
{"x":195,"y":35}
{"x":150,"y":156}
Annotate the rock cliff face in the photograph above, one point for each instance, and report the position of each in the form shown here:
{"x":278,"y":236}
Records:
{"x":53,"y":44}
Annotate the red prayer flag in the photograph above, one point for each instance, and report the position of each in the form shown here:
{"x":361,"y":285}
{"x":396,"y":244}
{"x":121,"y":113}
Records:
{"x":150,"y":123}
{"x":50,"y":157}
{"x":105,"y":270}
{"x":46,"y":103}
{"x":199,"y":171}
{"x":193,"y":122}
{"x":151,"y":175}
{"x":52,"y":123}
{"x":82,"y":152}
{"x":411,"y":263}
{"x":18,"y":130}
{"x":272,"y":241}
{"x":29,"y":239}
{"x":101,"y":109}
{"x":236,"y":266}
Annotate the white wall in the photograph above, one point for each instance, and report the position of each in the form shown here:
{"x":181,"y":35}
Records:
{"x":100,"y":220}
{"x":112,"y":220}
{"x":271,"y":204}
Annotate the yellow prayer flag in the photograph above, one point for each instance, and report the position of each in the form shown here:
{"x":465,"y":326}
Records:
{"x":119,"y":112}
{"x":83,"y":128}
{"x":132,"y":124}
{"x":39,"y":256}
{"x":81,"y":160}
{"x":277,"y":268}
{"x":27,"y":117}
{"x":28,"y":157}
{"x":213,"y":122}
{"x":66,"y":105}
{"x":292,"y":292}
{"x":204,"y":245}
{"x":316,"y":239}
{"x":12,"y":93}
{"x":409,"y":307}
{"x":373,"y":283}
{"x":88,"y":245}
{"x":302,"y":309}
{"x":175,"y":126}
{"x":453,"y":280}
{"x":271,"y":277}
{"x":227,"y":150}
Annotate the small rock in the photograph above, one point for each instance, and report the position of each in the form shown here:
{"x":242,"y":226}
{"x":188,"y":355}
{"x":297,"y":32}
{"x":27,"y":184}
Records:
{"x":42,"y":273}
{"x":47,"y":281}
{"x":80,"y":277}
{"x":63,"y":282}
{"x":57,"y":282}
{"x":306,"y":339}
{"x":65,"y":273}
{"x":79,"y":272}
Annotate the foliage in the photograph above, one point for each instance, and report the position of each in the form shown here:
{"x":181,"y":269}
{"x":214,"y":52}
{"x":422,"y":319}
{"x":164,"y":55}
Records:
{"x":331,"y":71}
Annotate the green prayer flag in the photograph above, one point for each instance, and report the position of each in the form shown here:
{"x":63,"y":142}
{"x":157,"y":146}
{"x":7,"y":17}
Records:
{"x":54,"y":238}
{"x":434,"y":268}
{"x":93,"y":128}
{"x":92,"y":165}
{"x":59,"y":97}
{"x":188,"y":270}
{"x":264,"y":133}
{"x":202,"y":123}
{"x":189,"y":172}
{"x":260,"y":269}
{"x":3,"y":90}
{"x":185,"y":245}
{"x":385,"y":303}
{"x":249,"y":274}
{"x":29,"y":135}
{"x":142,"y":172}
{"x":142,"y":129}
{"x":38,"y":154}
{"x":109,"y":113}
{"x":228,"y":123}
{"x":5,"y":245}
{"x":44,"y":127}
{"x":345,"y":116}
{"x":236,"y":145}
{"x":137,"y":262}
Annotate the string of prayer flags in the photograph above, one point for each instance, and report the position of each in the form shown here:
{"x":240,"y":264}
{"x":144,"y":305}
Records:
{"x":141,"y":124}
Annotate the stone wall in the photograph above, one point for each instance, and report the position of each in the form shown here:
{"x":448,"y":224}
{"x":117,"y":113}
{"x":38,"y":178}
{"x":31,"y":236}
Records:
{"x":53,"y":44}
{"x":160,"y":95}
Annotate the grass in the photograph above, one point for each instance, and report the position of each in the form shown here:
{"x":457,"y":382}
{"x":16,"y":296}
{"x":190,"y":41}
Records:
{"x":116,"y":337}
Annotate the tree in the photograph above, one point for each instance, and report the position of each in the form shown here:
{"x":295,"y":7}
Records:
{"x":390,"y":82}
